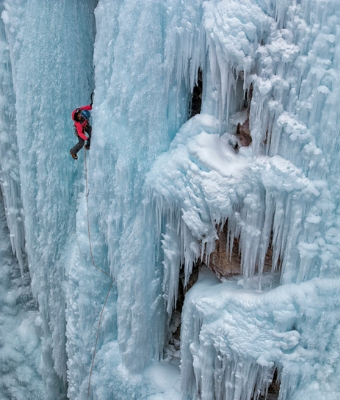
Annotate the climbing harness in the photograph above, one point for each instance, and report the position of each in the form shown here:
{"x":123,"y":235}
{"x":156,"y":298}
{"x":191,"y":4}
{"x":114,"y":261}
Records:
{"x":94,"y":264}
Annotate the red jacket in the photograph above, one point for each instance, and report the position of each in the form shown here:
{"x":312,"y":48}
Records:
{"x":80,"y":126}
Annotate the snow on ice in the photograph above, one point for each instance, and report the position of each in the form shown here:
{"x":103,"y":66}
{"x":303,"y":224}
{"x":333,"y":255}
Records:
{"x":259,"y":165}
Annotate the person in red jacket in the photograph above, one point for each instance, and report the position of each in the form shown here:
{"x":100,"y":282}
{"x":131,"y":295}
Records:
{"x":81,"y":125}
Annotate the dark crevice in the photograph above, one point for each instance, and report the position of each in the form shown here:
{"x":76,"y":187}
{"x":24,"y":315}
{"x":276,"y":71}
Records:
{"x":196,"y":99}
{"x":273,"y":389}
{"x":175,"y":321}
{"x":243,"y":131}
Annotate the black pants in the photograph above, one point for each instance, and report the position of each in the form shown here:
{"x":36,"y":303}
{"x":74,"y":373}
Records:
{"x":81,"y":141}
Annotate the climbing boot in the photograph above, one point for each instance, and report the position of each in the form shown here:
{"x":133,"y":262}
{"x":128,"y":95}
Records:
{"x":74,"y":156}
{"x":87,"y":147}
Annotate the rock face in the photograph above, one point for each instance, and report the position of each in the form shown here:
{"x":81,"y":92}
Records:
{"x":243,"y":132}
{"x":222,"y":263}
{"x":226,"y":265}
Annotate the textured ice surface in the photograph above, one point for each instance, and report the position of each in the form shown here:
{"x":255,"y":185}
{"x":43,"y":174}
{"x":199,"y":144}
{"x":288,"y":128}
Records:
{"x":9,"y":164}
{"x":159,"y":186}
{"x":20,"y":354}
{"x":51,"y":51}
{"x":234,"y":338}
{"x":278,"y":194}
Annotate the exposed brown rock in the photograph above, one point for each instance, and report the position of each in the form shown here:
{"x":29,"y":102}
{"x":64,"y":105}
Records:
{"x":226,"y":265}
{"x":243,"y":133}
{"x":222,"y":263}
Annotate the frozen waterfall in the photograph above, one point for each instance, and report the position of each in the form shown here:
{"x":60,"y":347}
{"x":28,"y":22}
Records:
{"x":208,"y":203}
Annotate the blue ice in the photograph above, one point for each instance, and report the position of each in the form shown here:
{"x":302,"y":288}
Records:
{"x":148,"y":202}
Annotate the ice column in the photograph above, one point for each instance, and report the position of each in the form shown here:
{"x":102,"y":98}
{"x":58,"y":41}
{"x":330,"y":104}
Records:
{"x":51,"y":48}
{"x":139,"y":105}
{"x":9,"y":160}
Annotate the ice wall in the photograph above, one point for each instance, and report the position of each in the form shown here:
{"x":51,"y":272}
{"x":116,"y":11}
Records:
{"x":20,"y":373}
{"x":283,"y":123}
{"x":233,"y":340}
{"x":51,"y":52}
{"x":279,"y":194}
{"x":158,"y":186}
{"x":141,"y":100}
{"x":9,"y":164}
{"x":134,"y":122}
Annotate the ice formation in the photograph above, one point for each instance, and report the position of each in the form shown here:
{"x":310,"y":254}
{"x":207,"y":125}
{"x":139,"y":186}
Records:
{"x":19,"y":327}
{"x":152,"y":199}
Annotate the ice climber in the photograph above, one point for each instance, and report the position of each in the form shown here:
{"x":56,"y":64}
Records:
{"x":81,"y":117}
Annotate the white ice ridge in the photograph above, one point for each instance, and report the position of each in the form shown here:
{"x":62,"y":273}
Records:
{"x":233,"y":340}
